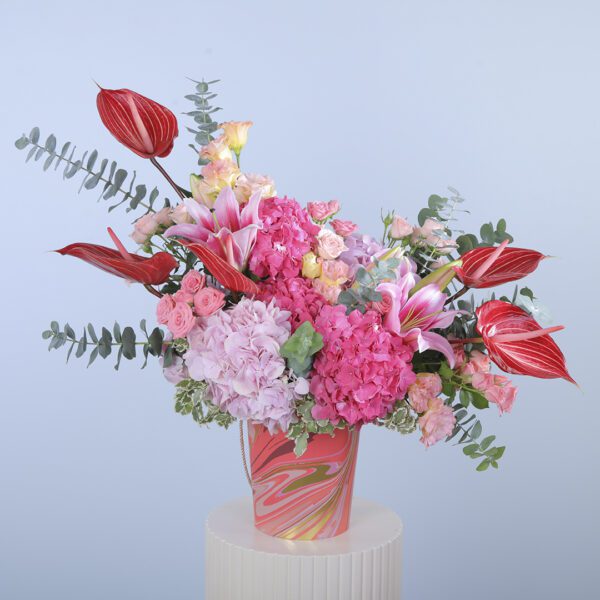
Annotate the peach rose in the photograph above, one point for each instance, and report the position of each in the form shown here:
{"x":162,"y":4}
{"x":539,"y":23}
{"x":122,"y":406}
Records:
{"x":426,"y":387}
{"x":344,"y":228}
{"x":329,"y":244}
{"x":218,"y":149}
{"x":147,"y":225}
{"x":400,"y":228}
{"x":248,"y":184}
{"x":311,"y":265}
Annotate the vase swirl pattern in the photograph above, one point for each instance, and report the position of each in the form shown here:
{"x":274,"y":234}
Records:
{"x":307,"y":497}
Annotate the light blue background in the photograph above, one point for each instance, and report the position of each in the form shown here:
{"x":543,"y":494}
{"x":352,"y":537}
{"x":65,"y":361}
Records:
{"x":104,"y":489}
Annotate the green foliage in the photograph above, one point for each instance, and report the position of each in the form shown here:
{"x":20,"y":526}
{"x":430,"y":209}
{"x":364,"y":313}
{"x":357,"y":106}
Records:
{"x":300,"y":431}
{"x":300,"y":347}
{"x":114,"y":181}
{"x":204,"y":125}
{"x":402,"y":419}
{"x":366,"y":280}
{"x":192,"y":397}
{"x":475,"y":448}
{"x":102,"y":344}
{"x":490,"y":236}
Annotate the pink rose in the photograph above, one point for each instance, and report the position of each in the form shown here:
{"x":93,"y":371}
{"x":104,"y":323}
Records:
{"x":344,"y":228}
{"x":183,"y":296}
{"x":321,"y":211}
{"x":180,"y":214}
{"x":146,"y":226}
{"x":400,"y":228}
{"x":497,"y":389}
{"x":192,"y":282}
{"x":437,"y":422}
{"x":478,"y":363}
{"x":208,"y":301}
{"x":329,"y":244}
{"x":427,"y":234}
{"x":164,"y":309}
{"x":425,"y":388}
{"x":181,"y":320}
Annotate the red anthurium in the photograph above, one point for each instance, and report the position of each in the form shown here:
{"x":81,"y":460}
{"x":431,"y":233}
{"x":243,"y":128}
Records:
{"x":489,"y":266}
{"x":518,"y":344}
{"x":149,"y":271}
{"x":144,"y":126}
{"x":222,"y":271}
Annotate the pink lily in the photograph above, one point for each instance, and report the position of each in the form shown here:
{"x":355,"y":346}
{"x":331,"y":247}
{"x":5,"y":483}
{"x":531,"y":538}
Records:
{"x":225,"y":229}
{"x":413,"y":317}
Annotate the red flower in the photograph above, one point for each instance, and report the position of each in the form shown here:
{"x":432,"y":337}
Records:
{"x":517,"y":343}
{"x":221,"y":270}
{"x":489,"y":266}
{"x":144,"y":126}
{"x":149,"y":271}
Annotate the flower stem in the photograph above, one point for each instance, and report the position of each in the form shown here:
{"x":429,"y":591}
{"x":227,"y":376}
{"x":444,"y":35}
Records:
{"x":167,"y":177}
{"x":153,"y":291}
{"x":458,"y":294}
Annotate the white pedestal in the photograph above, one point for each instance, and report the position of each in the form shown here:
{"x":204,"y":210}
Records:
{"x":362,"y":564}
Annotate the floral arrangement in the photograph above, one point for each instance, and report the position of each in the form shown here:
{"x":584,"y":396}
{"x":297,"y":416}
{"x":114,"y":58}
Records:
{"x":292,"y":317}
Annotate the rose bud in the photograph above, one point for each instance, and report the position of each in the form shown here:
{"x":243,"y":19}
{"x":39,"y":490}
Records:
{"x":144,"y":126}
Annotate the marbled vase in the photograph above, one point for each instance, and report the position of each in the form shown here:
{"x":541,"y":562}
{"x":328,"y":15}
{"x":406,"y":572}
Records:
{"x":307,"y":497}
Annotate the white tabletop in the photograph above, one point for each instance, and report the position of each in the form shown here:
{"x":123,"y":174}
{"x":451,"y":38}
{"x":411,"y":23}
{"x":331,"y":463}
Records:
{"x":371,"y":526}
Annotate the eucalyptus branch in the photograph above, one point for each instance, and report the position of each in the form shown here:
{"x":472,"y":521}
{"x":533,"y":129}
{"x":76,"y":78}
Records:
{"x":107,"y":173}
{"x":102,"y":344}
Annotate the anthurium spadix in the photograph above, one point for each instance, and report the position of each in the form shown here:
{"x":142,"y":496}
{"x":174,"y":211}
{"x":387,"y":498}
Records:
{"x":490,"y":266}
{"x":518,"y":344}
{"x":142,"y":125}
{"x":148,"y":271}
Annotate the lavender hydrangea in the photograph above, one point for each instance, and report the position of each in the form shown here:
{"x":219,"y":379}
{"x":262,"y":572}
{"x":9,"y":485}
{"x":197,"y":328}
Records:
{"x":236,"y":352}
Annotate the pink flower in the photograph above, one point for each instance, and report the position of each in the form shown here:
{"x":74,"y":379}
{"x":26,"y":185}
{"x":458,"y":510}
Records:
{"x":413,"y":318}
{"x":329,"y":244}
{"x":437,"y":422}
{"x":176,"y":372}
{"x":426,"y":387}
{"x":164,"y":309}
{"x":227,"y":230}
{"x":428,"y":235}
{"x":180,"y":214}
{"x":344,"y":228}
{"x":294,"y":295}
{"x":192,"y":282}
{"x":218,"y":149}
{"x":286,"y":236}
{"x":328,"y":291}
{"x":183,"y":296}
{"x":496,"y":388}
{"x":400,"y":228}
{"x":384,"y":305}
{"x":478,"y":363}
{"x":362,"y":369}
{"x":237,"y":352}
{"x":181,"y":320}
{"x":145,"y":227}
{"x":235,"y":134}
{"x":216,"y":176}
{"x":321,"y":211}
{"x":335,"y":272}
{"x":208,"y":301}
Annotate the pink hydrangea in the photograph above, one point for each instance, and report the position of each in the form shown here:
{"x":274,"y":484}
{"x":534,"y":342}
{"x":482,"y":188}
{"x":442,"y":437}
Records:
{"x":437,"y":422}
{"x":236,"y":352}
{"x":362,"y":369}
{"x":287,"y":235}
{"x":295,"y":295}
{"x":426,"y":387}
{"x":496,"y":388}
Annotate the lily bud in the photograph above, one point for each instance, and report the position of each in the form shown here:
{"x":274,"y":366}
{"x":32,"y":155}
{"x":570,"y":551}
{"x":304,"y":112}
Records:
{"x":142,"y":125}
{"x":441,"y":277}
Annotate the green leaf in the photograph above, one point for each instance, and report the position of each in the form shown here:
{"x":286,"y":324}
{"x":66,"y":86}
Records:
{"x":470,"y":449}
{"x":128,"y":343}
{"x":301,"y":444}
{"x":301,"y":346}
{"x":483,"y":465}
{"x":22,"y":142}
{"x":476,"y":430}
{"x":465,"y":398}
{"x":156,"y":341}
{"x":486,"y":442}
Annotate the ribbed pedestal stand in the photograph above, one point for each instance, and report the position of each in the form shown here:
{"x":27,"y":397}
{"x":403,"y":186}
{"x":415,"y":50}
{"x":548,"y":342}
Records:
{"x":365,"y":563}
